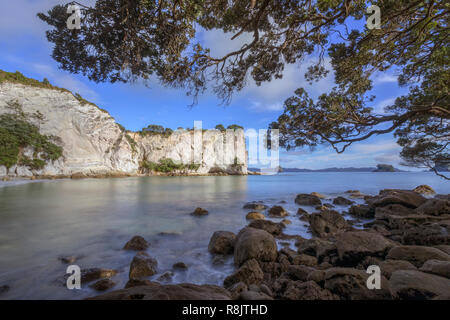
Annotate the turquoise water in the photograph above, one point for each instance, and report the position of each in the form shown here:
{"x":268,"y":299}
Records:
{"x":94,"y":218}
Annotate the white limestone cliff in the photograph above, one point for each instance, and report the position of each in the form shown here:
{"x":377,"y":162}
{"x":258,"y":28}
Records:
{"x":94,"y":144}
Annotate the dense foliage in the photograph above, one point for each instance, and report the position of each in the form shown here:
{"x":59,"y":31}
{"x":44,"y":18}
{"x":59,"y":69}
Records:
{"x":17,"y":133}
{"x":121,"y":40}
{"x":167,"y":166}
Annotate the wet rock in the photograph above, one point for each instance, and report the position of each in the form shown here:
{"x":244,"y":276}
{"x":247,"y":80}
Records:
{"x":103,"y":285}
{"x":319,"y":195}
{"x":137,"y":283}
{"x":361,"y":211}
{"x":256,"y":244}
{"x":236,"y":289}
{"x":165,"y":277}
{"x":136,"y":243}
{"x":218,"y":260}
{"x":222,"y":242}
{"x":428,"y":234}
{"x":351,"y":284}
{"x":200,"y":212}
{"x":155,"y":291}
{"x":412,"y":284}
{"x":180,"y":266}
{"x":297,"y":272}
{"x":304,"y":259}
{"x":307,"y":200}
{"x":434,"y":207}
{"x":354,"y":246}
{"x":255,"y":206}
{"x":301,"y":212}
{"x":406,"y":198}
{"x":327,"y":223}
{"x":440,"y":268}
{"x":249,"y":273}
{"x":254,"y":215}
{"x":286,"y":222}
{"x":252,"y":295}
{"x":424,"y":189}
{"x":142,"y":266}
{"x":387,"y":267}
{"x":417,"y":255}
{"x":268,"y":226}
{"x":91,"y":274}
{"x":341,"y":201}
{"x":298,"y":290}
{"x":278,"y":212}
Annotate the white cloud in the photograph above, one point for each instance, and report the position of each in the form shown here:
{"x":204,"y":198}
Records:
{"x":385,"y":78}
{"x":379,"y":107}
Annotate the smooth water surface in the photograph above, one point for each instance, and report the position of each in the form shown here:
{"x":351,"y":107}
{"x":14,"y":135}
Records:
{"x":94,"y":218}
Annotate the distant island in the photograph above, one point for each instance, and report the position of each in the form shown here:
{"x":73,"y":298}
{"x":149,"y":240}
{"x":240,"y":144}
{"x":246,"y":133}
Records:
{"x":378,"y":168}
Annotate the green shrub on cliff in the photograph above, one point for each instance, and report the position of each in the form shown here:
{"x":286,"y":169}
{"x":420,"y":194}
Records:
{"x":17,"y":133}
{"x":167,"y":165}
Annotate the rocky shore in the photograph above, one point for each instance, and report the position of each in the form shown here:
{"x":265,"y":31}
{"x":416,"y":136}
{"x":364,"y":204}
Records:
{"x":406,"y":233}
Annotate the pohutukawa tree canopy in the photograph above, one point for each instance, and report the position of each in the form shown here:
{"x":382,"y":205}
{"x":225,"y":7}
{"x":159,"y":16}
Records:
{"x":124,"y":40}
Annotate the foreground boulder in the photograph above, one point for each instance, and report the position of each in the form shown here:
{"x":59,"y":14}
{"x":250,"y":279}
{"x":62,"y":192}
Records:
{"x":91,"y":274}
{"x":278,"y":212}
{"x":310,"y":290}
{"x":411,"y":284}
{"x":156,"y":291}
{"x":256,"y":244}
{"x":269,"y":226}
{"x":307,"y":200}
{"x":417,"y":255}
{"x":388,"y":267}
{"x":406,"y":198}
{"x":440,"y":268}
{"x":222,"y":242}
{"x":327,"y":223}
{"x":353,"y":247}
{"x":136,"y":243}
{"x":351,"y":284}
{"x":142,"y":266}
{"x":249,"y":273}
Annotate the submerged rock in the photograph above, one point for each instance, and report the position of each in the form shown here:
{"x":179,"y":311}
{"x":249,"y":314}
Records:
{"x":200,"y":212}
{"x":222,"y":242}
{"x":137,"y":243}
{"x":142,"y":266}
{"x":180,"y":266}
{"x":319,"y":195}
{"x":255,"y":206}
{"x":91,"y":274}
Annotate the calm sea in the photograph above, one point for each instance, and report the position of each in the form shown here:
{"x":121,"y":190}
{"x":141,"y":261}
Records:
{"x":93,"y":219}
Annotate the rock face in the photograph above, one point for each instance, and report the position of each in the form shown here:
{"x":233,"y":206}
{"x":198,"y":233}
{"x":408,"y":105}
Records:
{"x":156,"y":291}
{"x":254,"y":244}
{"x":94,"y":144}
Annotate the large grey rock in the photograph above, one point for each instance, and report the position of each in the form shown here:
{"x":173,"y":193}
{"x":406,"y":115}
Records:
{"x":440,"y":268}
{"x":354,"y":246}
{"x":387,"y":267}
{"x":222,"y":242}
{"x":327,"y":223}
{"x":434,"y":207}
{"x":411,"y":284}
{"x":256,"y":244}
{"x":406,"y":198}
{"x":417,"y":255}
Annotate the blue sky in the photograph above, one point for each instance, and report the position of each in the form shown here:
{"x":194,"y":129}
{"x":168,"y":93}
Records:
{"x":23,"y":47}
